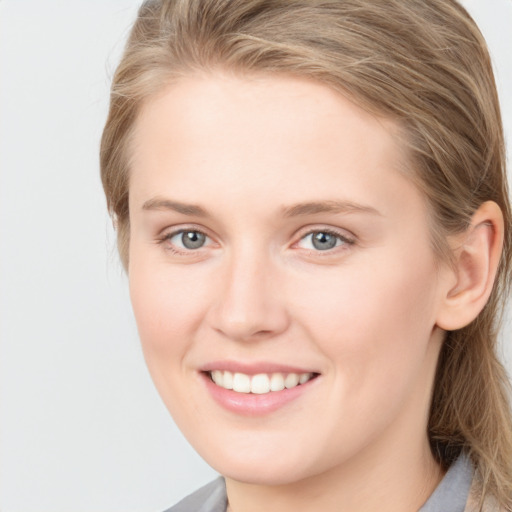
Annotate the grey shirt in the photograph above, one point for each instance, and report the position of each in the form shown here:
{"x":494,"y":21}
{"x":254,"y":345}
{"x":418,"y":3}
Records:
{"x":450,"y":495}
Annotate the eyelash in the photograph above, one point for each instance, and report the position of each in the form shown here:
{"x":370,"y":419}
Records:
{"x":170,"y":247}
{"x":346,"y":241}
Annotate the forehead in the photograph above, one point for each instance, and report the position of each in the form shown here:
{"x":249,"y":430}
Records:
{"x":208,"y":133}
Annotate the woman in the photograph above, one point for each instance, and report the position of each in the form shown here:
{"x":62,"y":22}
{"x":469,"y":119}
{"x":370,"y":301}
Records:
{"x":312,"y":209}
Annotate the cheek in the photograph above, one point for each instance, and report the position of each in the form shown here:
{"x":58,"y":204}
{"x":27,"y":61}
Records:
{"x":168,"y":309}
{"x":371,"y":319}
{"x":167,"y":305}
{"x":375,"y":330}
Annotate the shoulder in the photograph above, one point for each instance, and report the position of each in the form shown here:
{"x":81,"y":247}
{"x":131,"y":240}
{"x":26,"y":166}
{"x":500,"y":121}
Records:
{"x":210,"y":498}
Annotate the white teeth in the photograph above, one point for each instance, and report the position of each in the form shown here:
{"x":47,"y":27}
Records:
{"x":241,"y":383}
{"x":277,"y":382}
{"x":218,"y":378}
{"x":228,"y":380}
{"x":259,"y":384}
{"x":304,"y":377}
{"x":291,"y":380}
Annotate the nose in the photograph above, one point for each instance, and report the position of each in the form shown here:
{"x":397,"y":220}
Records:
{"x":248,"y":304}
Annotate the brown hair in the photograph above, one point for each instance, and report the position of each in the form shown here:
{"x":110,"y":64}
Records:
{"x":423,"y":64}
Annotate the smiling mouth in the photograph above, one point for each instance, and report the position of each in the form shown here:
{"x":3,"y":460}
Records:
{"x":261,"y":383}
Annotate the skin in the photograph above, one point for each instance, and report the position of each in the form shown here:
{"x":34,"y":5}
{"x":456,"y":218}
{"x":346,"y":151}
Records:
{"x":363,"y":315}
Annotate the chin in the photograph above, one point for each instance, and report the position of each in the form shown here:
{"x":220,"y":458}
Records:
{"x":268,"y":473}
{"x":261,"y":465}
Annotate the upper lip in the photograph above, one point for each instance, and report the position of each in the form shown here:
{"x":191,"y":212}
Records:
{"x":254,"y":368}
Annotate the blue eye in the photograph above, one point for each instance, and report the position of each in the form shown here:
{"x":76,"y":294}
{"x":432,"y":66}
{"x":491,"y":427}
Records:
{"x":188,"y":239}
{"x":322,"y":241}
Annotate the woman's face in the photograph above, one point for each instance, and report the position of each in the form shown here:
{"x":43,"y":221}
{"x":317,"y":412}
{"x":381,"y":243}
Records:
{"x":275,"y":244}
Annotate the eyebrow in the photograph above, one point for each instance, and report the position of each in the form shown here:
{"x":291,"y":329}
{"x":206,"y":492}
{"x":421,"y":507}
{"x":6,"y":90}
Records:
{"x":167,"y":204}
{"x":315,"y":207}
{"x":296,"y":210}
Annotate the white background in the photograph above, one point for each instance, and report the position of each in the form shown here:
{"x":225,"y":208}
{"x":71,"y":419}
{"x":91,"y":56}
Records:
{"x":82,"y":428}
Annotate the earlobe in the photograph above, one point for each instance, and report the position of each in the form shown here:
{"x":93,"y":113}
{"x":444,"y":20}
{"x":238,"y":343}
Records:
{"x":476,"y":262}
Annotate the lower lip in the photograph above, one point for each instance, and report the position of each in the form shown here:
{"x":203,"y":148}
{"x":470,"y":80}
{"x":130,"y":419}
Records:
{"x":251,"y":404}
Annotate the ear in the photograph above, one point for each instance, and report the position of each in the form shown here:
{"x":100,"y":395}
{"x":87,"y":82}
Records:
{"x":477,"y":256}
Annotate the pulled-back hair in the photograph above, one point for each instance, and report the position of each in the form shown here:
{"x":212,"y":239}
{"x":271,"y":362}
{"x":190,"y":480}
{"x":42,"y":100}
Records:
{"x":421,"y":63}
